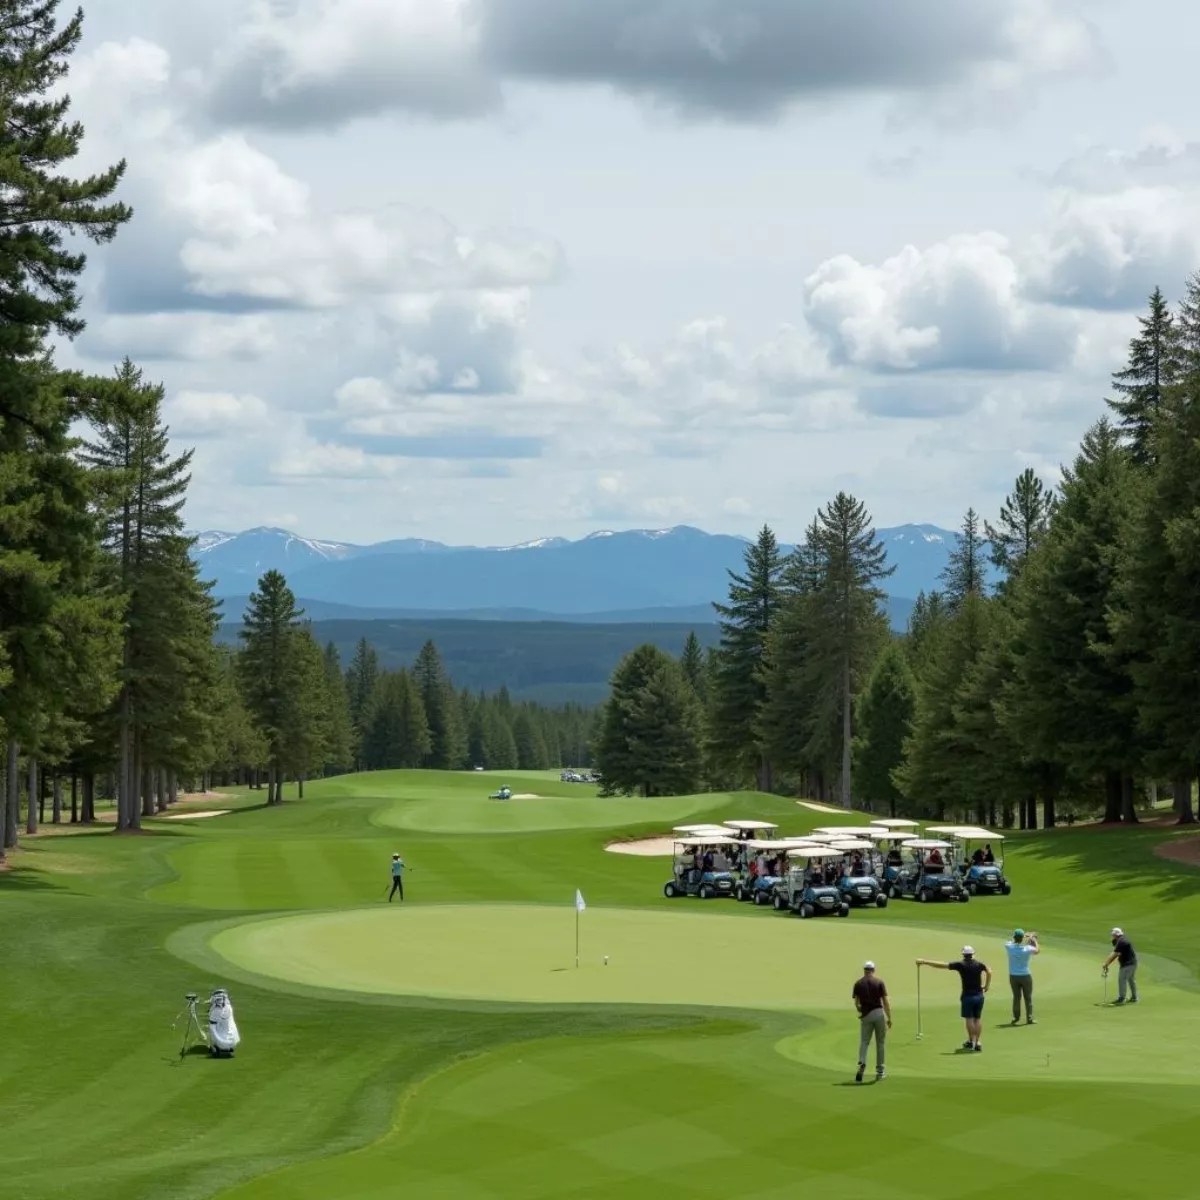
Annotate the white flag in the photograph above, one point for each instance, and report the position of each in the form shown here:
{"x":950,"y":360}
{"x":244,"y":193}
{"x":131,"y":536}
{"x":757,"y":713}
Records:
{"x":579,"y":904}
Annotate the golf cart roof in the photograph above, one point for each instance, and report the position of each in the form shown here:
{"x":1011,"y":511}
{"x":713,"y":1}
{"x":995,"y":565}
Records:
{"x":980,"y":835}
{"x":813,"y":852}
{"x":885,"y":835}
{"x":752,"y":824}
{"x":897,"y":823}
{"x":852,"y":844}
{"x":926,"y":844}
{"x":705,"y":828}
{"x":755,"y":844}
{"x":697,"y":842}
{"x":848,"y":830}
{"x":822,"y":837}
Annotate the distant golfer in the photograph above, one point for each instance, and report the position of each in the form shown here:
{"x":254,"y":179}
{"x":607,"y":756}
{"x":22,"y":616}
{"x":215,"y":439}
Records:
{"x":397,"y":877}
{"x":1020,"y":950}
{"x":976,"y":979}
{"x":1124,"y":953}
{"x":874,"y":1019}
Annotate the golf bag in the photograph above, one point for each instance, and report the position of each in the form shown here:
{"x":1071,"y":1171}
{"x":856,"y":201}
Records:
{"x":223,"y":1035}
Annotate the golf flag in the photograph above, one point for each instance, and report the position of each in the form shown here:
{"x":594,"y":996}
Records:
{"x":579,"y":903}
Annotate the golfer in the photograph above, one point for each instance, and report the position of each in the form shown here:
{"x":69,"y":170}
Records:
{"x":1124,"y":953}
{"x":397,"y":877}
{"x":976,"y":979}
{"x":1020,"y":950}
{"x":874,"y":1019}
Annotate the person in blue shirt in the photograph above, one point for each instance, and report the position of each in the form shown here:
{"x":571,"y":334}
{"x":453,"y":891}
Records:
{"x":397,"y":877}
{"x":1020,"y":950}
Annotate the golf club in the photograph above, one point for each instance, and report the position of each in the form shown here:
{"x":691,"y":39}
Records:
{"x":1104,"y":973}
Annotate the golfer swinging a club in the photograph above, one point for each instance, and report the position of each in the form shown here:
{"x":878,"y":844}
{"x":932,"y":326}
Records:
{"x":397,"y":878}
{"x":976,"y":979}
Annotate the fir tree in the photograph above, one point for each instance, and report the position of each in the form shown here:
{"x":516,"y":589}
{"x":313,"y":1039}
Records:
{"x":1153,"y":362}
{"x":739,"y":690}
{"x":885,"y":715}
{"x":448,"y":740}
{"x":360,"y":683}
{"x":963,"y":575}
{"x":1024,"y":520}
{"x":692,"y":662}
{"x":531,"y":746}
{"x":340,"y":750}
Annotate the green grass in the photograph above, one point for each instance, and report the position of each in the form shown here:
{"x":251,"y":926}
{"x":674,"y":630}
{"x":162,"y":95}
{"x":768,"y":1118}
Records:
{"x":712,"y":1054}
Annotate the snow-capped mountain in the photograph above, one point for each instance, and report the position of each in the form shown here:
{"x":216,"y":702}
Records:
{"x":608,"y":571}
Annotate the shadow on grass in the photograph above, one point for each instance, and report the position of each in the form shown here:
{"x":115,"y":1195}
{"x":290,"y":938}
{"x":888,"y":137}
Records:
{"x":1123,"y":857}
{"x":25,"y":879}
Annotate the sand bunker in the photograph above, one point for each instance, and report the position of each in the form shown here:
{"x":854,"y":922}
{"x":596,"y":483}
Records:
{"x":655,"y":847}
{"x":1184,"y":850}
{"x":525,"y":796}
{"x":194,"y":816}
{"x":819,"y":807}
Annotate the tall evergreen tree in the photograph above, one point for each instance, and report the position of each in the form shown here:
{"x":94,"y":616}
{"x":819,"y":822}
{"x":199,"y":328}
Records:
{"x":1142,"y":383}
{"x":649,"y":739}
{"x":531,"y":746}
{"x":692,"y":662}
{"x":340,"y":750}
{"x":448,"y":738}
{"x":885,"y":717}
{"x":739,"y":689}
{"x":1024,"y":520}
{"x":964,"y":574}
{"x":360,"y":684}
{"x":271,"y":670}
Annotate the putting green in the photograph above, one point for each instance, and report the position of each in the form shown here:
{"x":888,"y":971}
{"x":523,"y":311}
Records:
{"x":526,"y":954}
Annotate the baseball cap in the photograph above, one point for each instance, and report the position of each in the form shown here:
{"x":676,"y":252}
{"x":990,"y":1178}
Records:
{"x":1018,"y":934}
{"x":868,"y":966}
{"x":968,"y":951}
{"x":1117,"y":932}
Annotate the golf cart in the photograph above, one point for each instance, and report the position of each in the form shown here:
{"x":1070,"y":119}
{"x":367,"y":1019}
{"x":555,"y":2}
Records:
{"x":980,"y":877}
{"x":505,"y":793}
{"x":919,"y":879}
{"x":755,"y":880}
{"x":804,"y":890}
{"x":860,"y":888}
{"x":701,"y":868}
{"x":745,"y":830}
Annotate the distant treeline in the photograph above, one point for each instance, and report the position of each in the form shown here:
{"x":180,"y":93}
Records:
{"x":551,"y":663}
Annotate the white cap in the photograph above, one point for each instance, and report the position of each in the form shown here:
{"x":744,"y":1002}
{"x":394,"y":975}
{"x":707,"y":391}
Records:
{"x":1117,"y":932}
{"x":968,"y":950}
{"x":868,"y":966}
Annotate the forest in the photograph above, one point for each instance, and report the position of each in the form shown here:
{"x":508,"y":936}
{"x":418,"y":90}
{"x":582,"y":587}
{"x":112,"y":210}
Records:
{"x":1067,"y":689}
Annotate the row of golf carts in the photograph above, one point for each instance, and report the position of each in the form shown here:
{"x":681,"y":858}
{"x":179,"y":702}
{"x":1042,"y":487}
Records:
{"x":836,"y":868}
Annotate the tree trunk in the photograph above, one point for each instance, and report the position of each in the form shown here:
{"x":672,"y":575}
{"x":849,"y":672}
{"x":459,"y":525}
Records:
{"x":148,"y":774}
{"x":270,"y":784}
{"x":1006,"y":814}
{"x":31,"y":816}
{"x":1182,"y":788}
{"x":172,"y":789}
{"x":88,"y":815}
{"x":126,"y":809}
{"x":1112,"y":797}
{"x":56,"y":808}
{"x":847,"y":790}
{"x":1128,"y":808}
{"x":8,"y":828}
{"x":74,"y":798}
{"x":300,"y":786}
{"x":161,"y":782}
{"x":134,"y":814}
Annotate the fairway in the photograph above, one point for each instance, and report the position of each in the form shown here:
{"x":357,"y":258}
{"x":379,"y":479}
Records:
{"x":450,"y":1048}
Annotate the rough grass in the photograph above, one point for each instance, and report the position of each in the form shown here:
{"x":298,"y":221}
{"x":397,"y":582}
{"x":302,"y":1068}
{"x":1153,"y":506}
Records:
{"x":628,"y":1087}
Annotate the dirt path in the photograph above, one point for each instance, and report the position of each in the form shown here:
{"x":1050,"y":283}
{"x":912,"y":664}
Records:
{"x":1181,"y":850}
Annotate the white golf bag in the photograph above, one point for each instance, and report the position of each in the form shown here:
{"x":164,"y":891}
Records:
{"x":223,"y":1035}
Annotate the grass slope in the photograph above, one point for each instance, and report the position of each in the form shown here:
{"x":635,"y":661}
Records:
{"x":618,"y":1082}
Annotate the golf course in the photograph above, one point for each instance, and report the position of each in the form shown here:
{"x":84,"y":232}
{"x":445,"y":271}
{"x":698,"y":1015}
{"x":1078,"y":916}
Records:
{"x":452,"y":1046}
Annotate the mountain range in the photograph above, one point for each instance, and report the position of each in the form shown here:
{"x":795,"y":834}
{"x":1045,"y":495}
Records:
{"x":636,"y":576}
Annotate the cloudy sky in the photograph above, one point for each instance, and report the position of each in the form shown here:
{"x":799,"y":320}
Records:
{"x":487,"y":270}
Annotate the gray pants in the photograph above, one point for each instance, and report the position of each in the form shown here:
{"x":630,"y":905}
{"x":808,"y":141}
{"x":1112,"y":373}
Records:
{"x":873,"y":1024}
{"x":1127,"y":978}
{"x":1022,"y":988}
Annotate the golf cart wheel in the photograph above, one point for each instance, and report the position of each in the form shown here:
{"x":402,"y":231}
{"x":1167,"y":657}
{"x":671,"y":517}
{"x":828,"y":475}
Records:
{"x":759,"y":899}
{"x":806,"y":911}
{"x":740,"y":894}
{"x":973,"y":888}
{"x":844,"y":911}
{"x":1006,"y":889}
{"x":895,"y":893}
{"x":706,"y":892}
{"x":964,"y":897}
{"x":778,"y":903}
{"x":881,"y":901}
{"x":923,"y":896}
{"x":670,"y":891}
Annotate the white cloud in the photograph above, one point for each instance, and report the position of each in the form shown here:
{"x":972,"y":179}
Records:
{"x":200,"y":337}
{"x":215,"y":415}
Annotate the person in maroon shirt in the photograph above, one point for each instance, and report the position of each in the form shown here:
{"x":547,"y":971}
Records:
{"x":870,"y":996}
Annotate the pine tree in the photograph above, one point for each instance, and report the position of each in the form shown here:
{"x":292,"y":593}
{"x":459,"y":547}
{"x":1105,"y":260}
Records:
{"x":929,"y":615}
{"x":448,"y":738}
{"x":739,"y":690}
{"x":1142,"y":383}
{"x":531,"y":746}
{"x":1024,"y":520}
{"x":885,"y":716}
{"x":499,"y":745}
{"x":340,"y":750}
{"x":692,"y":662}
{"x":963,"y":575}
{"x":306,"y":730}
{"x":270,"y":670}
{"x":649,"y":738}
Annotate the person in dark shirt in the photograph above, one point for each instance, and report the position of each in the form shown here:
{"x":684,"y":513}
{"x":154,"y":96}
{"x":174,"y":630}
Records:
{"x":1123,"y":953}
{"x":976,"y":979}
{"x":870,"y":996}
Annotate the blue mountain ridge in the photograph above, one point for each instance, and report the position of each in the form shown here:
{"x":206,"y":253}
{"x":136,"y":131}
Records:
{"x":667,"y":575}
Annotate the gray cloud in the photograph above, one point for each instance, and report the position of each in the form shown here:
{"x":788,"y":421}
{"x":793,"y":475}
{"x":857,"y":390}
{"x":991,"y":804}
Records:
{"x":749,"y":60}
{"x":461,"y":444}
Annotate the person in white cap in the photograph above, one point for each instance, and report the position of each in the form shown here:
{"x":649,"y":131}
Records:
{"x":976,"y":979}
{"x":874,"y":1019}
{"x":1124,"y":953}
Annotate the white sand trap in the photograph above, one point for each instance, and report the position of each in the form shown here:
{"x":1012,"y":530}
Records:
{"x":819,"y":807}
{"x":525,"y":796}
{"x":195,"y":816}
{"x":655,"y":847}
